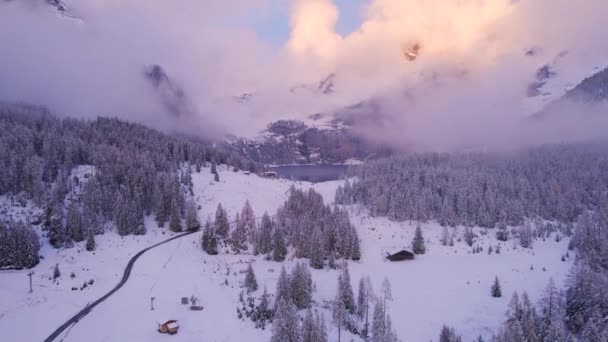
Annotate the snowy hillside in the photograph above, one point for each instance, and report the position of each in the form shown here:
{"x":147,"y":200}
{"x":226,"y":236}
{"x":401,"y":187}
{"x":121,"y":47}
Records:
{"x":447,"y":285}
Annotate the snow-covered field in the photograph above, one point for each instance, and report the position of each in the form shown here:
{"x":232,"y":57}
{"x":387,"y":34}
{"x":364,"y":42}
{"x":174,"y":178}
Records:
{"x":446,"y":285}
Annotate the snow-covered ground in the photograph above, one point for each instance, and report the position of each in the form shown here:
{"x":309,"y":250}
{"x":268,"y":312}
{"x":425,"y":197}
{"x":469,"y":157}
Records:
{"x":446,"y":285}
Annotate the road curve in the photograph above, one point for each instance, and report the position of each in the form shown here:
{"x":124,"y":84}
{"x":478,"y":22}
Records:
{"x":87,"y":309}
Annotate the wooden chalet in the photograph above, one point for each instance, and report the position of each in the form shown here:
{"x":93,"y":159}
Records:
{"x":400,"y":256}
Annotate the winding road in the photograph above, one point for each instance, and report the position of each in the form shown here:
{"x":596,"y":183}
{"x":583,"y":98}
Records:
{"x":87,"y":309}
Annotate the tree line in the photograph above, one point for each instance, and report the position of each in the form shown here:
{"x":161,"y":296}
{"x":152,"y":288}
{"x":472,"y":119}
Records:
{"x":556,"y":182}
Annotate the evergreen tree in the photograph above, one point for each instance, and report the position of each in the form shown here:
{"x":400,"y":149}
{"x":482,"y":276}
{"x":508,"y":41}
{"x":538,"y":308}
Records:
{"x":264,"y":242}
{"x":58,"y":236}
{"x":339,"y":313}
{"x":379,"y":324}
{"x":192,"y":221}
{"x":238,"y":238}
{"x":348,"y":298}
{"x":418,"y":246}
{"x":90,"y":246}
{"x":251,"y":284}
{"x":285,"y":327}
{"x":248,"y":218}
{"x":213,"y":168}
{"x":283,"y":287}
{"x":316,"y":252}
{"x":208,"y":240}
{"x":74,"y":223}
{"x":279,"y":250}
{"x":356,"y":246}
{"x":301,"y":286}
{"x":387,"y":292}
{"x":309,"y":328}
{"x":496,"y":289}
{"x":175,"y":224}
{"x":222,"y":226}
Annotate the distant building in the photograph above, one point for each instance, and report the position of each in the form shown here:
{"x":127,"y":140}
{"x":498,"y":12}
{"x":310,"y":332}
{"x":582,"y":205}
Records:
{"x":169,"y":327}
{"x":400,"y":256}
{"x":270,"y":174}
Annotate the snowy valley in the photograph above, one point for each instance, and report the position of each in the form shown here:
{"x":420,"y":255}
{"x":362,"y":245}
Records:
{"x":448,"y":284}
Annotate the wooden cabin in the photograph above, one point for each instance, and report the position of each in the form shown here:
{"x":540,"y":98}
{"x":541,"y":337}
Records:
{"x":400,"y":256}
{"x":169,"y":327}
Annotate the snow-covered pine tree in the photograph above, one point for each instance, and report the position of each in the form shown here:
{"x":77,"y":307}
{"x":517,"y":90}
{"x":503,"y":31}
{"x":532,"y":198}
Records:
{"x":251,"y":284}
{"x":192,"y":221}
{"x":356,"y":245}
{"x":387,"y":292}
{"x":362,"y":299}
{"x":58,"y":236}
{"x":238,"y":238}
{"x":90,"y":246}
{"x":418,"y":245}
{"x":309,"y":328}
{"x":279,"y":248}
{"x":496,"y":288}
{"x":264,"y":241}
{"x":339,"y":312}
{"x":209,"y":240}
{"x":283,"y":288}
{"x":316,"y":250}
{"x":222,"y":226}
{"x":301,"y":286}
{"x":379,"y":324}
{"x":285,"y":326}
{"x":321,"y":335}
{"x":348,"y":297}
{"x":175,"y":221}
{"x":74,"y":223}
{"x":248,"y":218}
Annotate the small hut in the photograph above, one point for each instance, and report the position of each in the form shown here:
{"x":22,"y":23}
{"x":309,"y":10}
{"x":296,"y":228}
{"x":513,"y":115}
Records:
{"x":169,"y":327}
{"x":400,"y":256}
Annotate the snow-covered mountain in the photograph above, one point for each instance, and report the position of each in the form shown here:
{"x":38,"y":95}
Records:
{"x":325,"y":141}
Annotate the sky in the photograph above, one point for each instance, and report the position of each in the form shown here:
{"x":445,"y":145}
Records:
{"x":244,"y":63}
{"x":272,"y":22}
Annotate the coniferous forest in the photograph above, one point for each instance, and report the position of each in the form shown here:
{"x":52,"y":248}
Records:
{"x":137,"y":171}
{"x":564,"y":184}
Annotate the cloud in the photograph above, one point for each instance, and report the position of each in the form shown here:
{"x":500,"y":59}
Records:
{"x":465,"y":87}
